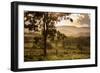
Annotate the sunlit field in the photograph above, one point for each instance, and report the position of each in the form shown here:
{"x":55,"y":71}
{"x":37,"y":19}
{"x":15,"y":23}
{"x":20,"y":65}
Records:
{"x":68,"y":48}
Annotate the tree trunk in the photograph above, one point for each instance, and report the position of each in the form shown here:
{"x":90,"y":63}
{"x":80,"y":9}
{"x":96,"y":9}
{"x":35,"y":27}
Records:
{"x":45,"y":34}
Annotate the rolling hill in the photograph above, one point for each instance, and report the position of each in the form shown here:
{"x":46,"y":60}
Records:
{"x":74,"y":31}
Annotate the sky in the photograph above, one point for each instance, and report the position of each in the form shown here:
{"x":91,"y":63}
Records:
{"x":79,"y":20}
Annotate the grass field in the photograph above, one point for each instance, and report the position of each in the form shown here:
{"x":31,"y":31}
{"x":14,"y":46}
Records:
{"x":63,"y":49}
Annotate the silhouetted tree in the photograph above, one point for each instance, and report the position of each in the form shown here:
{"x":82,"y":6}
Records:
{"x":46,"y":21}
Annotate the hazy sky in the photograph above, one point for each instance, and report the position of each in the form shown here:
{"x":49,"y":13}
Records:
{"x":79,"y":20}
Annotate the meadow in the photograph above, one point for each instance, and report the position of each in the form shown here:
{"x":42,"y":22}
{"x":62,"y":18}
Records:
{"x":59,"y":47}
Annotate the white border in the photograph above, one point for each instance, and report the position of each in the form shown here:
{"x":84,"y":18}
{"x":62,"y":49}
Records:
{"x":22,"y":64}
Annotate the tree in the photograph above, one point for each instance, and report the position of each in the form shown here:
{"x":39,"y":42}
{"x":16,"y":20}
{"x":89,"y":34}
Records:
{"x":46,"y":21}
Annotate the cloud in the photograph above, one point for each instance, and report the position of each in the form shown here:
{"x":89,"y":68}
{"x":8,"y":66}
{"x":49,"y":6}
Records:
{"x":81,"y":20}
{"x":86,"y":19}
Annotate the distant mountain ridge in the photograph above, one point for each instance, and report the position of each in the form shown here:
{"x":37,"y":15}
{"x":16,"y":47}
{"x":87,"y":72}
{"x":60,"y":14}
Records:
{"x":74,"y":31}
